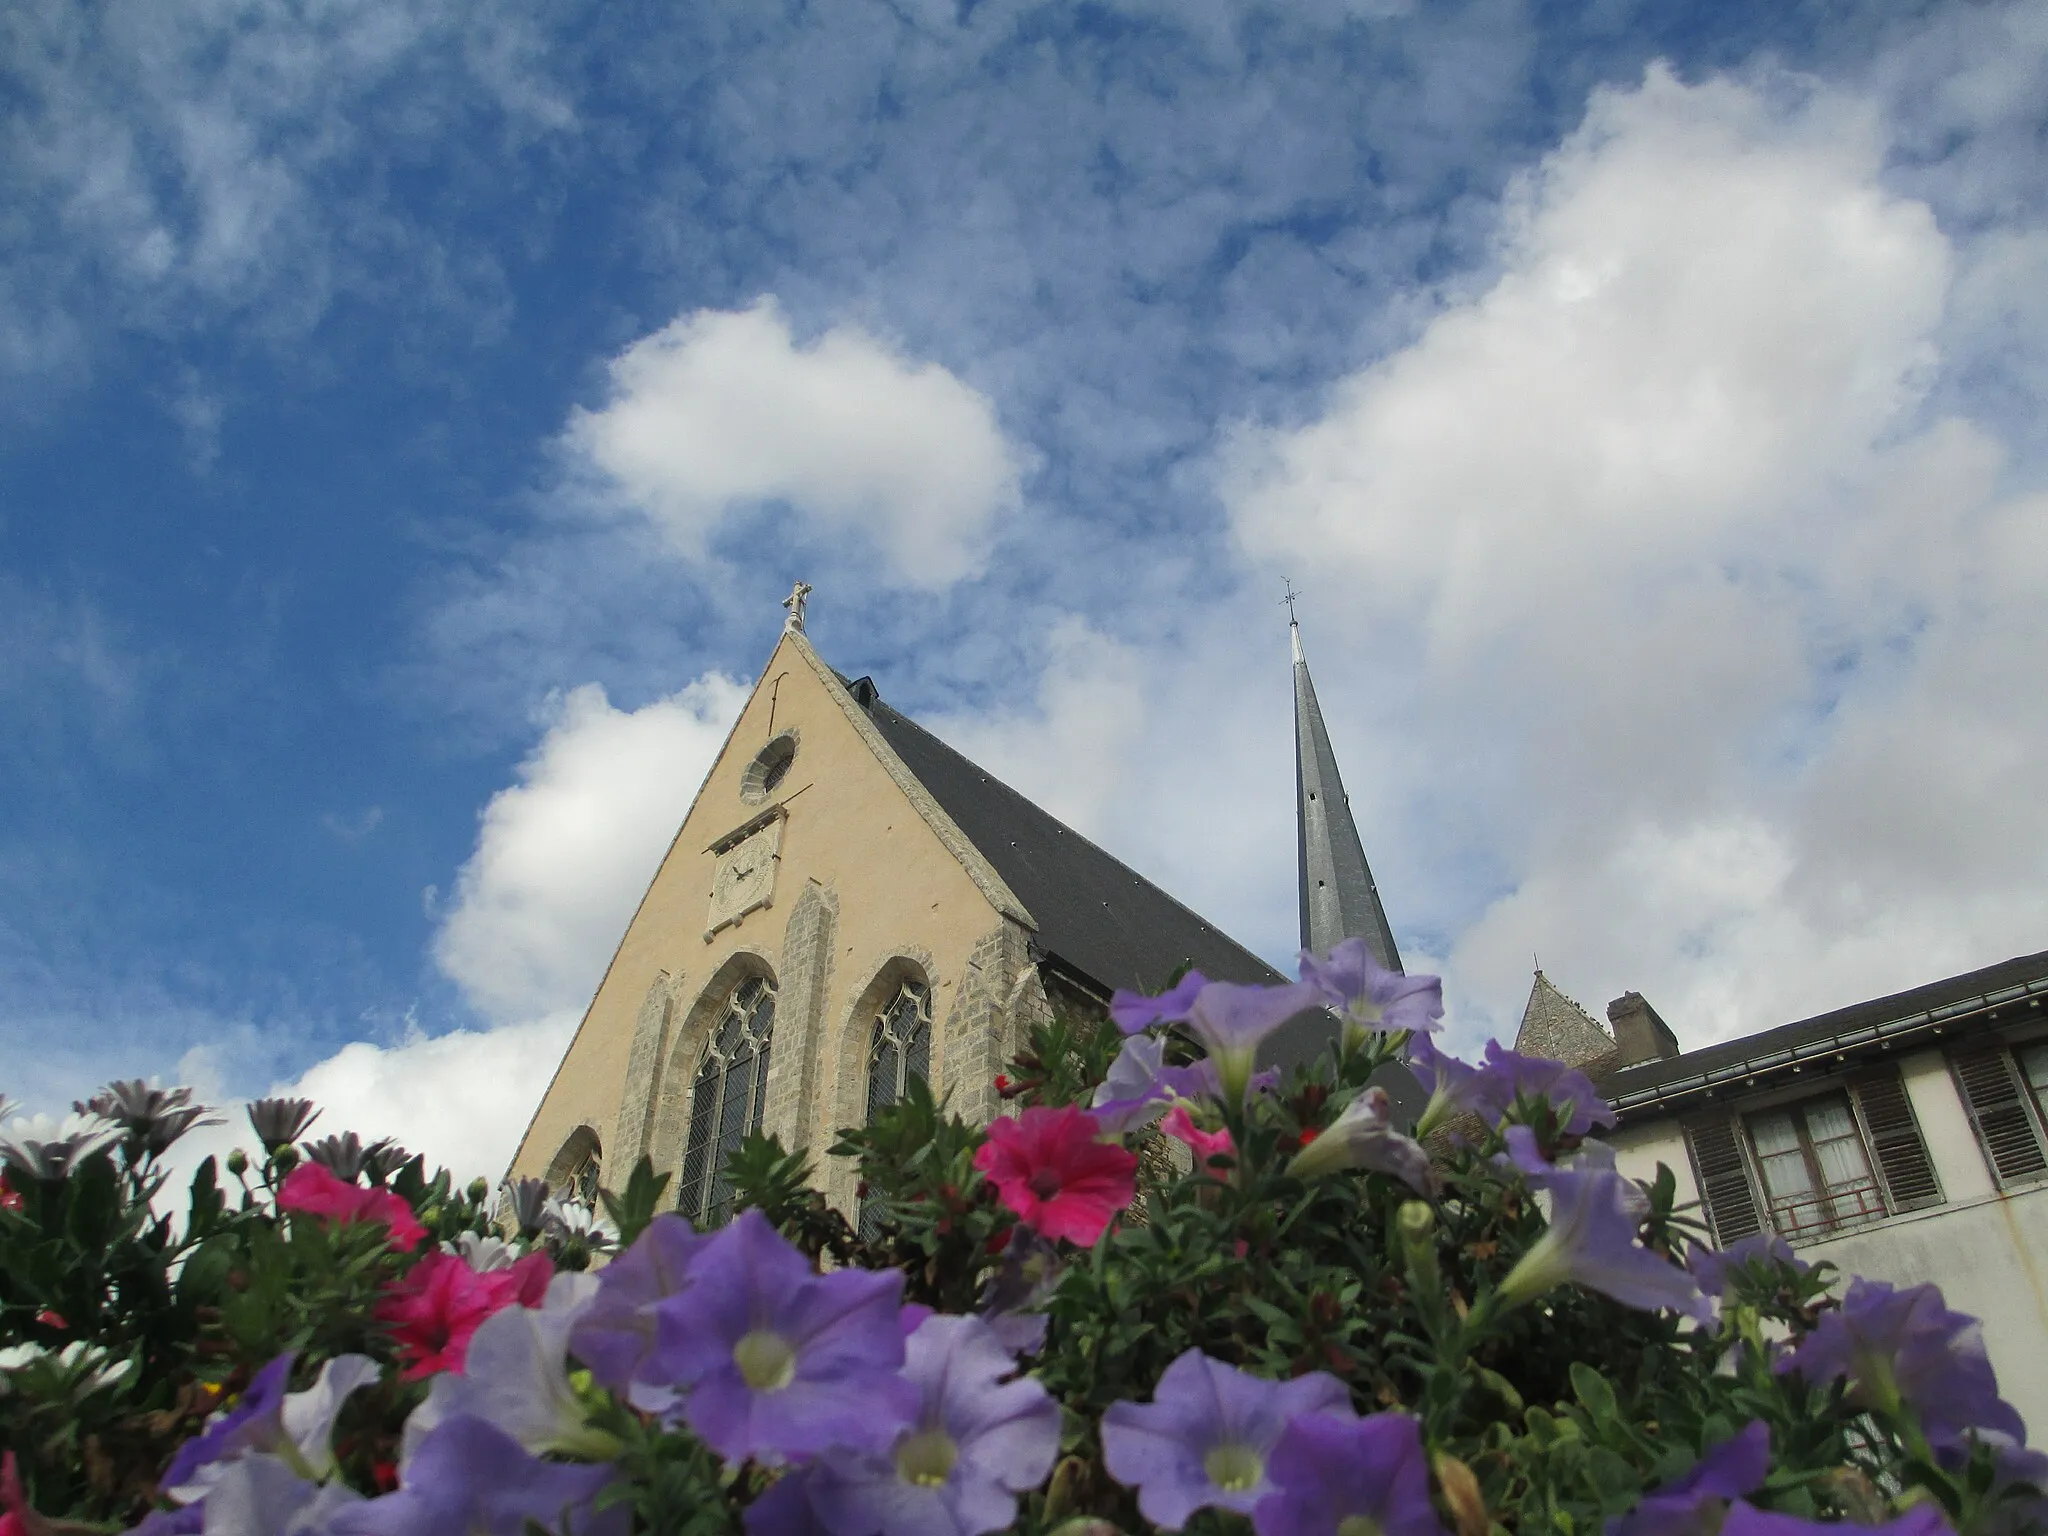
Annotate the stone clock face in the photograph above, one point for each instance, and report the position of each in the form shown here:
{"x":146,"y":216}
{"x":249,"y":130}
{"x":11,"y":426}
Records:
{"x":746,"y":876}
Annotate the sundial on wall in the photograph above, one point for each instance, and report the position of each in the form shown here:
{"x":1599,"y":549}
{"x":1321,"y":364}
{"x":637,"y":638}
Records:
{"x":745,"y":876}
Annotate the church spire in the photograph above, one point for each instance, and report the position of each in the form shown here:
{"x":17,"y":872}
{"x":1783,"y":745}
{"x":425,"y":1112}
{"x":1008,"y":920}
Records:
{"x":1338,"y":898}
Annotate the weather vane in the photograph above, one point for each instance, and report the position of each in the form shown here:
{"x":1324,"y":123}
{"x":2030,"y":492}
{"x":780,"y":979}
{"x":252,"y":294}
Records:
{"x":1288,"y":600}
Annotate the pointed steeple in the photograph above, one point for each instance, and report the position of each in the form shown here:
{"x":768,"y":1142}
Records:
{"x":1338,"y":898}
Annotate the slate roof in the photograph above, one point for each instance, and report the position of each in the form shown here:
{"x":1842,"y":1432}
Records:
{"x":1555,"y":1026}
{"x":1861,"y":1027}
{"x":1095,"y":913}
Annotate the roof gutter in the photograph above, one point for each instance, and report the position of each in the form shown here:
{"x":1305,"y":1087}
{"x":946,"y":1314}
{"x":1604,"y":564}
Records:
{"x":1932,"y":1021}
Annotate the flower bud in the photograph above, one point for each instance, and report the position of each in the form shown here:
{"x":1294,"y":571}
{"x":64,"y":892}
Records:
{"x":238,"y":1163}
{"x":1461,"y":1494}
{"x":1415,"y":1226}
{"x":479,"y":1189}
{"x":1069,"y":1482}
{"x":285,"y":1159}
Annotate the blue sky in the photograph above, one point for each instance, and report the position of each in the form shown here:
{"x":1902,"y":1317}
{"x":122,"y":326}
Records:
{"x":400,"y":464}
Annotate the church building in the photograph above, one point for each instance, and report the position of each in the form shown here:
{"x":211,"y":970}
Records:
{"x":850,"y":903}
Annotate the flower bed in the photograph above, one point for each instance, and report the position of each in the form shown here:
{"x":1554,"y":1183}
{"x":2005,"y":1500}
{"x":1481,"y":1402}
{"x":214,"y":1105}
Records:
{"x":1305,"y":1321}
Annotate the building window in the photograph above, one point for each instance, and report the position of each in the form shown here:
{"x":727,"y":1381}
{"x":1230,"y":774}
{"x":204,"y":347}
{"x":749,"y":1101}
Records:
{"x":1812,"y":1168}
{"x":1816,"y":1173}
{"x":581,"y":1183}
{"x":727,"y":1100}
{"x":899,"y":1049}
{"x":2006,"y":1092}
{"x":900,"y":1046}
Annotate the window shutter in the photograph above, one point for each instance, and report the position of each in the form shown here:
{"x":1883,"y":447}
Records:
{"x":1894,"y":1137}
{"x":1998,"y":1109}
{"x":1724,"y":1179}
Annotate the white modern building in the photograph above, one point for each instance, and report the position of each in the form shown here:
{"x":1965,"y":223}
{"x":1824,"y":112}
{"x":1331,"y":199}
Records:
{"x":1905,"y":1138}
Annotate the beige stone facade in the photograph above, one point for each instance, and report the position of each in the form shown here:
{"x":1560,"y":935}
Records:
{"x":813,"y":860}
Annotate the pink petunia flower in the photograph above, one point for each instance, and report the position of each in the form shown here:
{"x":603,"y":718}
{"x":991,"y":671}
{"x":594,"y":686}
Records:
{"x":1180,"y":1125}
{"x":435,"y":1310}
{"x":316,"y":1191}
{"x":1051,"y":1168}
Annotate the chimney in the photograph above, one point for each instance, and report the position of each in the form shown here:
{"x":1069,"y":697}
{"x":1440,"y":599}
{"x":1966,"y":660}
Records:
{"x":1640,"y":1033}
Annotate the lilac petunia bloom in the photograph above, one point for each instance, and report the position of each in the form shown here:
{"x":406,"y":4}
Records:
{"x":1363,"y":1136}
{"x":1230,"y":1021}
{"x":1368,"y":996}
{"x":1715,"y":1267}
{"x":1505,"y":1076}
{"x":616,"y":1334}
{"x":981,"y":1436}
{"x":1904,"y":1348}
{"x":1133,"y":1011}
{"x":1594,"y":1215}
{"x":1693,"y":1506}
{"x":1333,"y":1475}
{"x":265,"y":1496}
{"x":267,"y":1418}
{"x":1205,"y":1438}
{"x":515,"y":1376}
{"x":1030,"y":1272}
{"x":1445,"y":1079}
{"x":1743,"y":1520}
{"x":1140,"y":1085}
{"x":471,"y":1477}
{"x":775,"y":1361}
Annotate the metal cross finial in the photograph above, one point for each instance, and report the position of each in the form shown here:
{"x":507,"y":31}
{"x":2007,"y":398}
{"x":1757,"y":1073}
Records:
{"x":798,"y":596}
{"x":1288,"y":600}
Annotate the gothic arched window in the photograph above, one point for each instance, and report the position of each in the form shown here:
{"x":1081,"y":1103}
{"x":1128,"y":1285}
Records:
{"x":899,"y":1048}
{"x":582,"y":1181}
{"x":727,"y":1099}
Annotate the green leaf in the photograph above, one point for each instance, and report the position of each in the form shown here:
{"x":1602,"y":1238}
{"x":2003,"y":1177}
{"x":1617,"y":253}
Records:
{"x":638,"y":1204}
{"x":1592,"y":1390}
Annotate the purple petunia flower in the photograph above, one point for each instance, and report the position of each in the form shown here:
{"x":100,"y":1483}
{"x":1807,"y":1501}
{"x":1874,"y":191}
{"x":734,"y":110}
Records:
{"x":777,"y":1361}
{"x":1693,"y":1505}
{"x":981,"y":1436}
{"x":1333,"y":1475}
{"x":615,"y":1335}
{"x":1904,"y":1348}
{"x":1230,"y":1022}
{"x":1368,"y":996}
{"x":265,"y":1496}
{"x":1205,"y":1438}
{"x":515,"y":1376}
{"x":1140,"y":1085}
{"x":472,"y":1477}
{"x":1594,"y":1216}
{"x":1363,"y":1136}
{"x":1921,"y":1520}
{"x":1715,"y":1267}
{"x":1445,"y":1079}
{"x":1133,"y":1011}
{"x":1504,"y":1077}
{"x":1030,"y":1272}
{"x":268,"y":1418}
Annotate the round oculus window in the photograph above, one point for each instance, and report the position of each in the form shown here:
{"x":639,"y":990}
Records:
{"x":769,"y":768}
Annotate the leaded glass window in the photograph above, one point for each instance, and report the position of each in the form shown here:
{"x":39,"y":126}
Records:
{"x":727,"y":1100}
{"x":582,"y":1181}
{"x":899,"y":1048}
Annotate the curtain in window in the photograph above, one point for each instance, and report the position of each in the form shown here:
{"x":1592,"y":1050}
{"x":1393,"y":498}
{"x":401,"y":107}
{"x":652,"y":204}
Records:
{"x":727,"y":1100}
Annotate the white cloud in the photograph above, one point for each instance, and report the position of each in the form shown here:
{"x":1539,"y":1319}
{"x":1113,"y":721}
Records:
{"x":720,"y":412}
{"x":1074,"y":749}
{"x":1721,"y":641}
{"x":461,"y":1100}
{"x":562,"y":859}
{"x":564,"y":856}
